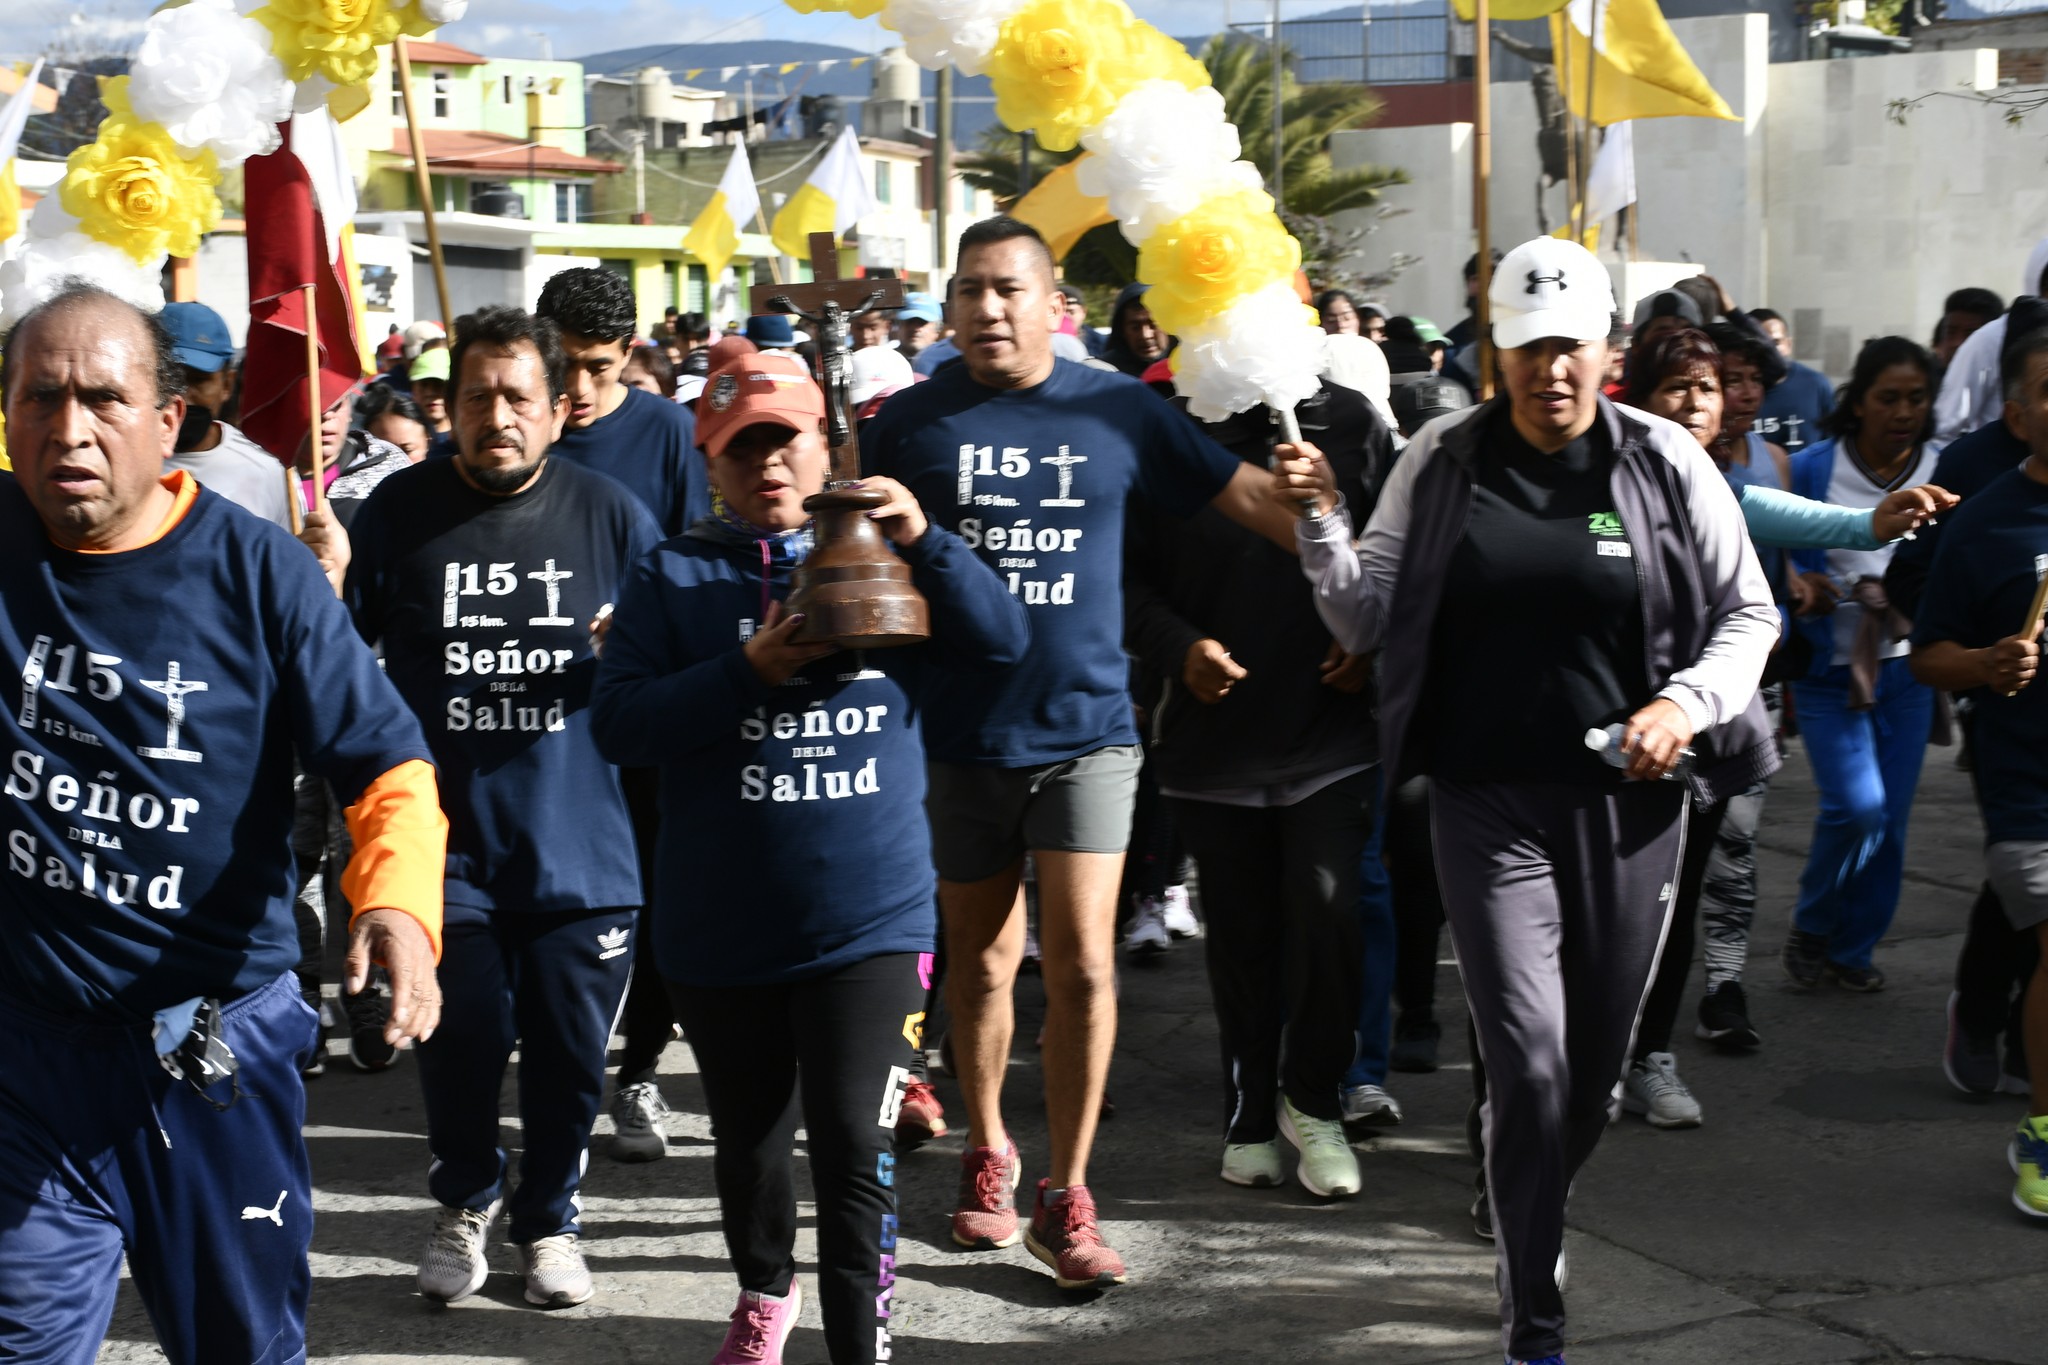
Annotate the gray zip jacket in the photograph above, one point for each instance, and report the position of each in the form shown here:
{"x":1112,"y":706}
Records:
{"x":1709,"y":622}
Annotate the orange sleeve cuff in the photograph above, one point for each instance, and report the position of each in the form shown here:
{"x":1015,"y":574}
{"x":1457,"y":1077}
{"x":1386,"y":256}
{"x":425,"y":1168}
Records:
{"x":401,"y":840}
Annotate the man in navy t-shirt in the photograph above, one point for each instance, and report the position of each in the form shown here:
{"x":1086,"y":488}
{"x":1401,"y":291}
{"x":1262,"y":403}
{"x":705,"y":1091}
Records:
{"x":650,"y":445}
{"x":1978,"y":630}
{"x":1031,"y":461}
{"x":483,"y":577}
{"x":1797,"y":404}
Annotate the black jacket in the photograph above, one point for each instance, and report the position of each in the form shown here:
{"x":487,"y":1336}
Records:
{"x":1207,"y":577}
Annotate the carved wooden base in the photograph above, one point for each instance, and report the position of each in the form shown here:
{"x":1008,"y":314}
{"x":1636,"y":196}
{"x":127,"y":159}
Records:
{"x":853,"y":587}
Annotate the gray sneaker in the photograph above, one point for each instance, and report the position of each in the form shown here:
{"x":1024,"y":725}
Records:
{"x":454,"y":1266}
{"x":1148,"y":936}
{"x":1654,"y":1091}
{"x":1369,"y":1106}
{"x":638,"y":1112}
{"x":555,"y":1274}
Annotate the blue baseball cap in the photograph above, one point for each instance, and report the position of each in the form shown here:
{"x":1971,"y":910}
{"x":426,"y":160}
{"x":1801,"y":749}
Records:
{"x":770,"y":329}
{"x":199,"y":337}
{"x":919,"y":308}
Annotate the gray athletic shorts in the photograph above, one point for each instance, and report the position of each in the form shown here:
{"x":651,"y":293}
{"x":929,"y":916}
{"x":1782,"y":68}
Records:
{"x":984,"y":819}
{"x":2018,"y":872}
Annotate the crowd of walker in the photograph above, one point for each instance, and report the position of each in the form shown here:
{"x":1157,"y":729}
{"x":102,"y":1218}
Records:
{"x":532,"y":726}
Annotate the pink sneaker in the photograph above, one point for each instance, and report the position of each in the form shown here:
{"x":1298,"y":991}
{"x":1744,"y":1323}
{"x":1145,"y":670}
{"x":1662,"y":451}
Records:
{"x":986,"y":1218}
{"x":1065,"y":1236}
{"x":760,"y":1325}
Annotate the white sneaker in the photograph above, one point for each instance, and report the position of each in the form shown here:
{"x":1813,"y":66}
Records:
{"x":454,"y":1266}
{"x":637,"y":1115}
{"x":555,"y":1274}
{"x":1328,"y":1166}
{"x":1148,"y":936}
{"x":1371,"y":1106}
{"x":1180,"y":914}
{"x":1654,"y":1091}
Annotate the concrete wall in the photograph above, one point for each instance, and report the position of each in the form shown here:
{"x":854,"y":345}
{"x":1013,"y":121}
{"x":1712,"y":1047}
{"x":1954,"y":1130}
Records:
{"x":1815,"y":202}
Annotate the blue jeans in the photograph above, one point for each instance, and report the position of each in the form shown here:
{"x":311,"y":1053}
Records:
{"x":1376,"y":930}
{"x":1866,"y":764}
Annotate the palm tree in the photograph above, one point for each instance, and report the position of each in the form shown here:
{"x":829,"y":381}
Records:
{"x":1241,"y":70}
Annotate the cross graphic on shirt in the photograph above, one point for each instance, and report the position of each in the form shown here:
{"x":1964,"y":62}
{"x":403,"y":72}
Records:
{"x":1065,"y":463}
{"x":551,"y":578}
{"x":174,"y":687}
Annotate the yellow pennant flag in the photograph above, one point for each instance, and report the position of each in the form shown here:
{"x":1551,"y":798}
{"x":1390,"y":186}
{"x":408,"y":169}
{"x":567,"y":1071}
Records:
{"x":832,"y":200}
{"x":10,"y":201}
{"x":715,"y":236}
{"x":1060,"y":212}
{"x":1509,"y":9}
{"x":1633,"y":62}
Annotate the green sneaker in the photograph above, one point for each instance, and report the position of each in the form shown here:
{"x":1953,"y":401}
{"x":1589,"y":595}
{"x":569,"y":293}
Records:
{"x":1328,"y":1165}
{"x":1256,"y":1164}
{"x":2029,"y":1157}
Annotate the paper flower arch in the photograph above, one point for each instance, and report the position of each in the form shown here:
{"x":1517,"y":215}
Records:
{"x":1219,"y":264}
{"x":206,"y":91}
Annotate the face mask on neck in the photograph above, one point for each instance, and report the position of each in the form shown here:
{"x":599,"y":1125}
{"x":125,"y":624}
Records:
{"x":196,"y":427}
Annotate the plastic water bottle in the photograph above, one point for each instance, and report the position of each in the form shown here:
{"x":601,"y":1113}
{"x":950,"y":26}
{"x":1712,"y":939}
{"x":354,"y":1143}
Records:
{"x":1608,"y":744}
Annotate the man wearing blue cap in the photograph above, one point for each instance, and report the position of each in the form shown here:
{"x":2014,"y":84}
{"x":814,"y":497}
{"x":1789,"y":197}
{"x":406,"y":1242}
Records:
{"x":771,"y":332}
{"x":217,"y":454}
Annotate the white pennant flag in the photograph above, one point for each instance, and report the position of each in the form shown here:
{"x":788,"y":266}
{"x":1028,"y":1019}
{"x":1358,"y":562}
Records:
{"x":1611,"y":184}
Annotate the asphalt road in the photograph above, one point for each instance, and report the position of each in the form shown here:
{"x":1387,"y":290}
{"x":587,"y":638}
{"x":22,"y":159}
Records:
{"x":1841,"y":1203}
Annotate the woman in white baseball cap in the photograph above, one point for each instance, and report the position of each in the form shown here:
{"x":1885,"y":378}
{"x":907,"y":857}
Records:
{"x":1546,"y":572}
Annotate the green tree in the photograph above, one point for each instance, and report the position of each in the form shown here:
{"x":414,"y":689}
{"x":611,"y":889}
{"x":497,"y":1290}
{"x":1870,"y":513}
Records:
{"x":1313,"y":186}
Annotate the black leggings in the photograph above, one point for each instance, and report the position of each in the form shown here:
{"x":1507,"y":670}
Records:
{"x":1410,"y":856}
{"x":848,"y":1035}
{"x":1667,"y":989}
{"x":1280,"y":896}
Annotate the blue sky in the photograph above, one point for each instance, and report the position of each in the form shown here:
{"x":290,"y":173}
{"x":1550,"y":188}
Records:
{"x":577,"y":27}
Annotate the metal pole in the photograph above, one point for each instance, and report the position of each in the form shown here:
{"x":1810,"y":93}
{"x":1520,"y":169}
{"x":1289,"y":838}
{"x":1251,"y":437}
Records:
{"x":1024,"y":176}
{"x":942,"y":174}
{"x":639,"y":136}
{"x":419,"y":175}
{"x":1482,"y":173}
{"x":1279,"y":118}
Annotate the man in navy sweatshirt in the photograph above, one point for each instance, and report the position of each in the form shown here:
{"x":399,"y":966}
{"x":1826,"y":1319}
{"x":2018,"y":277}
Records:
{"x":483,"y":576}
{"x":1031,"y":461}
{"x":172,"y":651}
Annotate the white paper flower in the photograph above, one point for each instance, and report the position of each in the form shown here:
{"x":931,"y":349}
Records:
{"x":40,"y":265}
{"x":206,"y":74}
{"x":1262,"y":349}
{"x":444,"y":11}
{"x":939,"y":33}
{"x":1162,"y":151}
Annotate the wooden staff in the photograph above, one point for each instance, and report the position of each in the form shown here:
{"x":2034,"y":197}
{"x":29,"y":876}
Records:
{"x":1482,"y":176}
{"x":2032,"y":625}
{"x":419,"y":176}
{"x":1586,"y":160}
{"x":314,"y":408}
{"x":291,"y":499}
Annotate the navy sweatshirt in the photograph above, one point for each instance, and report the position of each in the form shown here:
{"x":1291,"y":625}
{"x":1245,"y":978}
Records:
{"x":148,"y":808}
{"x":794,"y":839}
{"x":482,"y":605}
{"x":650,"y":445}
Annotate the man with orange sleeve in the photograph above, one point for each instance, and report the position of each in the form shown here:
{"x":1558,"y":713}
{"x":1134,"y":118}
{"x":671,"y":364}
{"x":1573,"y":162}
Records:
{"x":172,"y":652}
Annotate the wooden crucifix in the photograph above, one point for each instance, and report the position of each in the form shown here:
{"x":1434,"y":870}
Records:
{"x":853,"y":588}
{"x":830,"y":304}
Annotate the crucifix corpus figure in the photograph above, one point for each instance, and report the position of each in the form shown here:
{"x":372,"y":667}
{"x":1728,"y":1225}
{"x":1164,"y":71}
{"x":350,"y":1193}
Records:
{"x":853,"y":587}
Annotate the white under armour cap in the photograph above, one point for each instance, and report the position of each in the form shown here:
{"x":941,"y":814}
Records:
{"x":1550,"y":288}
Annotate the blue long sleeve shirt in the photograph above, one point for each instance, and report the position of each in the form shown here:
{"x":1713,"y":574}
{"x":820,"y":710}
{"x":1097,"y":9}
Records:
{"x":794,"y":839}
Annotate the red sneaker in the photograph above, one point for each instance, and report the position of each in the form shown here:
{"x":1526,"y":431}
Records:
{"x":1065,"y":1237}
{"x":921,"y":1118}
{"x":987,"y":1217}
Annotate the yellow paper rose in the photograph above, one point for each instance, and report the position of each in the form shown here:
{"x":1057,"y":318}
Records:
{"x":1060,"y":66}
{"x":1206,"y":260}
{"x":132,"y":188}
{"x":859,"y":9}
{"x":337,"y":39}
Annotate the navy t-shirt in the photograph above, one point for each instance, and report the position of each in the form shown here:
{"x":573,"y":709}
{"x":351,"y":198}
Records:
{"x":650,"y":445}
{"x":1035,"y":481}
{"x":483,"y":607}
{"x":794,"y":841}
{"x":147,"y":809}
{"x":1794,"y":408}
{"x":1978,"y":593}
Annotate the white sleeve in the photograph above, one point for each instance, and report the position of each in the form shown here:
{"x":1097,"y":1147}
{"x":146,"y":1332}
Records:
{"x":1718,"y":685}
{"x":1969,"y":396}
{"x":1355,"y":583}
